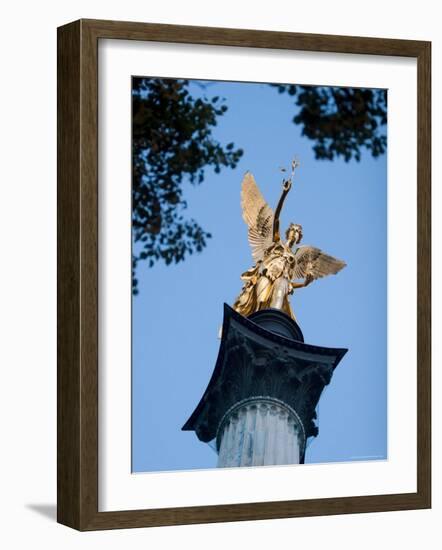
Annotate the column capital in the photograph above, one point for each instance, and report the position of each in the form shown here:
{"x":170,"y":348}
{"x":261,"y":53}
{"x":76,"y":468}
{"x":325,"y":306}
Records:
{"x":255,"y":361}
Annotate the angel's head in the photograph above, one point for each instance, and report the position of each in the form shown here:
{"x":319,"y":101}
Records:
{"x":293,"y":234}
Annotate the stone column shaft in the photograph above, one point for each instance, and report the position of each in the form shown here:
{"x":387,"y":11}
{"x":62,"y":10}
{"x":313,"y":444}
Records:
{"x":260,"y":431}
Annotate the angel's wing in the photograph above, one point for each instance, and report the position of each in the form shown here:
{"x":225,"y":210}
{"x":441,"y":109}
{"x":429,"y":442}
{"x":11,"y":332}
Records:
{"x":312,"y":261}
{"x":258,"y":216}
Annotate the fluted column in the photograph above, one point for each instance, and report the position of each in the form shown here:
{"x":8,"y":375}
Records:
{"x":260,"y":431}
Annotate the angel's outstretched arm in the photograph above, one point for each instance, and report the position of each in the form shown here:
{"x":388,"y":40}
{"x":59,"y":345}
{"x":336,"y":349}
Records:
{"x":306,"y":282}
{"x":286,"y":186}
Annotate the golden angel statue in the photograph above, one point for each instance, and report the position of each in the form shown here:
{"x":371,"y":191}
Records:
{"x":270,"y":282}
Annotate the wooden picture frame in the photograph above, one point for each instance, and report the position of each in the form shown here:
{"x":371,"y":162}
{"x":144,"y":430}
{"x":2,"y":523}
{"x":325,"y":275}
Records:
{"x":77,"y":459}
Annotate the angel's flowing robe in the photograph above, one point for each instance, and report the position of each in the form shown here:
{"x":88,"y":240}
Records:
{"x":267,"y":283}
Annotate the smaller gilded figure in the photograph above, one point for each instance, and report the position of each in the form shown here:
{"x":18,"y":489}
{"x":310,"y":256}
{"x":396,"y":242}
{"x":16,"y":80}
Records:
{"x":280,"y":265}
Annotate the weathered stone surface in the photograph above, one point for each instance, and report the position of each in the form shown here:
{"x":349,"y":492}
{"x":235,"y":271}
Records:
{"x":260,"y":431}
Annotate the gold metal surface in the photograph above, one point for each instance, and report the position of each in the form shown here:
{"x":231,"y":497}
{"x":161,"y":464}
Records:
{"x":270,"y":281}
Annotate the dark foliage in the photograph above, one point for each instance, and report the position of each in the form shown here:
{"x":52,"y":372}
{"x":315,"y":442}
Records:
{"x":172,"y":143}
{"x":340,"y":121}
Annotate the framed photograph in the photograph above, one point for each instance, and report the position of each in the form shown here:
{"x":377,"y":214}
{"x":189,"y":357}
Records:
{"x":243,"y":275}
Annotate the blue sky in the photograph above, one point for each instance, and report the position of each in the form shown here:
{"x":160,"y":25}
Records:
{"x":343,"y":210}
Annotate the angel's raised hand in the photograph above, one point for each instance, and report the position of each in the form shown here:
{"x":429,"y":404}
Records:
{"x":287,"y":184}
